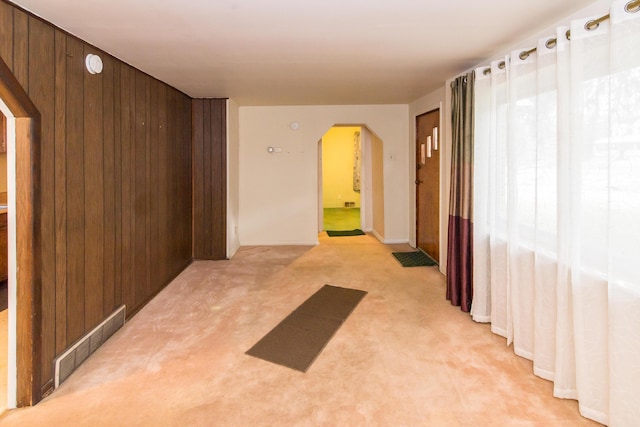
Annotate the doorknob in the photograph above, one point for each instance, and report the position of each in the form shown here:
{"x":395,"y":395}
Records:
{"x":418,"y":181}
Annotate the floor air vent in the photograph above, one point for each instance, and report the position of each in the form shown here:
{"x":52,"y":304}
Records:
{"x":73,"y":357}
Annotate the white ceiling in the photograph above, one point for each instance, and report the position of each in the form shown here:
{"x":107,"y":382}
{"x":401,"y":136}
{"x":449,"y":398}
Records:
{"x":303,"y":52}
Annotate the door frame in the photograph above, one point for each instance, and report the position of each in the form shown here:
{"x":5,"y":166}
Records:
{"x":320,"y":188}
{"x":23,"y":126}
{"x":441,"y":144}
{"x":366,"y":208}
{"x":372,"y":208}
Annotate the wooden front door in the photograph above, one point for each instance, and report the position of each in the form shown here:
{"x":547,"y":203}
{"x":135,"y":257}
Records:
{"x":428,"y":183}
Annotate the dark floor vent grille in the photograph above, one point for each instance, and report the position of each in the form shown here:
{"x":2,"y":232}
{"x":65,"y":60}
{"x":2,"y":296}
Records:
{"x":72,"y":358}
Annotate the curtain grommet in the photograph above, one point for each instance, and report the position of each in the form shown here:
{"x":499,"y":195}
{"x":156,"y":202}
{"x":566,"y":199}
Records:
{"x":591,"y":25}
{"x":632,"y":7}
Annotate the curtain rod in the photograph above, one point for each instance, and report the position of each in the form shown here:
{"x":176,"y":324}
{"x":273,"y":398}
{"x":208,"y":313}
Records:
{"x":631,"y":7}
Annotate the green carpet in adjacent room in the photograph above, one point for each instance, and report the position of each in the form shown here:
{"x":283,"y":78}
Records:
{"x":298,"y":340}
{"x":414,"y":259}
{"x":341,"y":218}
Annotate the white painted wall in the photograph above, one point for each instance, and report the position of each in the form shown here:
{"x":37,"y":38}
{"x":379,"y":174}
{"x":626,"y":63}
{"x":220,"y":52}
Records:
{"x":377,"y":190}
{"x":279,"y":191}
{"x":278,"y":199}
{"x":366,"y":190}
{"x":233,"y":176}
{"x":430,"y":102}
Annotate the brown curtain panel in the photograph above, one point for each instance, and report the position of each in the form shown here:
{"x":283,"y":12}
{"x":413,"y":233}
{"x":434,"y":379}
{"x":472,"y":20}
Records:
{"x":460,"y":247}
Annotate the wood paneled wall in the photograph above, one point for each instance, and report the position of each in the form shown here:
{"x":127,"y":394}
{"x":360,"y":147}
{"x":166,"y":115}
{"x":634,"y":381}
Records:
{"x":209,"y":178}
{"x":116,"y":193}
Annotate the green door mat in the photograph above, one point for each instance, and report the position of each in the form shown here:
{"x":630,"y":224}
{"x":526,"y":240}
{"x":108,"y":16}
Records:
{"x":300,"y":337}
{"x":414,"y":259}
{"x":340,"y":233}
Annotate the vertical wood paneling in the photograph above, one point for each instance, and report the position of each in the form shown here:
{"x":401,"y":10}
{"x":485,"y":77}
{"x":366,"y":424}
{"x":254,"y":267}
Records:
{"x":207,"y":157}
{"x":185,"y":182}
{"x":148,"y":289}
{"x":109,"y":202}
{"x":60,"y":179}
{"x":128,"y":290}
{"x":163,"y":195}
{"x":21,"y":48}
{"x":94,"y":197}
{"x":172,"y":182}
{"x":198,"y":175}
{"x":133,"y":283}
{"x":175,"y":183}
{"x":218,"y":200}
{"x":117,"y":154}
{"x":140,"y":186}
{"x":42,"y":84}
{"x":6,"y":34}
{"x":116,"y":173}
{"x":74,"y":193}
{"x":209,"y":182}
{"x":152,"y":178}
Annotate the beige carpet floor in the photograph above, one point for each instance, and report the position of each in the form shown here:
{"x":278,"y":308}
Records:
{"x":405,"y":356}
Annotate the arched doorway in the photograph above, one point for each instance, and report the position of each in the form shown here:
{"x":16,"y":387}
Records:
{"x":364,"y":150}
{"x":341,"y":175}
{"x":25,"y":302}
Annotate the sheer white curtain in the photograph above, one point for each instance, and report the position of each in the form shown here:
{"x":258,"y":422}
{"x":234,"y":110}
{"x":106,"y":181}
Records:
{"x":557,"y":211}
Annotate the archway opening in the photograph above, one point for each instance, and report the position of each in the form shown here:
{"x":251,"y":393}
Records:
{"x":351,"y":180}
{"x":341,"y":176}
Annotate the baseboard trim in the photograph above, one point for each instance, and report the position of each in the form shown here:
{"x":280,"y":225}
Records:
{"x":47,"y":388}
{"x":377,"y":235}
{"x":396,"y":242}
{"x":232,"y":251}
{"x":134,"y":310}
{"x":293,"y":243}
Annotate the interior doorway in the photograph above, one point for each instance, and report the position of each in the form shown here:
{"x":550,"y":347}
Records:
{"x":367,"y":171}
{"x":23,"y":222}
{"x":428,"y":183}
{"x":341,"y":156}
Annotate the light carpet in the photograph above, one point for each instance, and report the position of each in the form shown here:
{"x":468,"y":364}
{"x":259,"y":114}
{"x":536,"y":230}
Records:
{"x":408,"y":359}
